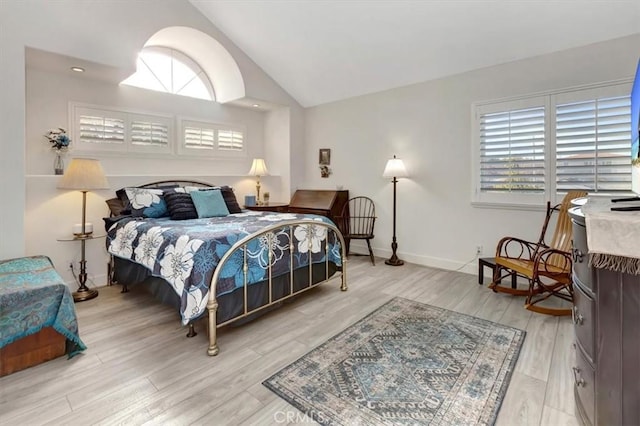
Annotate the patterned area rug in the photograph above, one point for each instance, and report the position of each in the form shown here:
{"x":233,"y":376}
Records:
{"x":405,"y":363}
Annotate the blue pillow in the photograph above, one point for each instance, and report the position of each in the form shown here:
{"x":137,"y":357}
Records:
{"x":209,"y":203}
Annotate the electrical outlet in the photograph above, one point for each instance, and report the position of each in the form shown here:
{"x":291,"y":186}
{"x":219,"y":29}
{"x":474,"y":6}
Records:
{"x":478,"y":249}
{"x":71,"y":265}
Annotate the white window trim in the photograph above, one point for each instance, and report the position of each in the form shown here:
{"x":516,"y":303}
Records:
{"x":551,"y":98}
{"x":127,"y":115}
{"x":76,"y":110}
{"x":174,"y":54}
{"x":183,"y":151}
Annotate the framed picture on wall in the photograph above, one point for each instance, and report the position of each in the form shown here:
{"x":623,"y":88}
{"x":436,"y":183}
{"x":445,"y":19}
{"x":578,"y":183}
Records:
{"x":324,"y":158}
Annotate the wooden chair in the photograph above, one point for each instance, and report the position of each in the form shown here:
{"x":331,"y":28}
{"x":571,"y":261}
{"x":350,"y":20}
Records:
{"x":546,"y":266}
{"x":356,"y":222}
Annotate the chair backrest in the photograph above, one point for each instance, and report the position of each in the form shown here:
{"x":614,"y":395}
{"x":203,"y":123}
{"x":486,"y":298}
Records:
{"x":359,"y":216}
{"x":562,"y":235}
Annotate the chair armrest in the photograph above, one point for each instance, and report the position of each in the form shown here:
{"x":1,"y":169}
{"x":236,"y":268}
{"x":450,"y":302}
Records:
{"x":549,"y":257}
{"x":516,"y":248}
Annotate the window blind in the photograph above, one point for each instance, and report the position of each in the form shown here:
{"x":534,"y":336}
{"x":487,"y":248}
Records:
{"x":101,"y":129}
{"x":148,"y":133}
{"x":592,"y":145}
{"x":199,"y":138}
{"x":230,"y":140}
{"x":512,"y":150}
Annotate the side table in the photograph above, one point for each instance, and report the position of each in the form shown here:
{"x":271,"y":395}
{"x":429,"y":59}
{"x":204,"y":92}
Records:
{"x":83,"y":292}
{"x":490,"y":262}
{"x":271,"y":207}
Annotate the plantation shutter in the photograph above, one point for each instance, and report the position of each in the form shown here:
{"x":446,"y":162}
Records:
{"x":100,"y":129}
{"x":230,"y":140}
{"x":512,"y":150}
{"x":149,"y":133}
{"x":199,"y":138}
{"x":203,"y":138}
{"x":593,"y":146}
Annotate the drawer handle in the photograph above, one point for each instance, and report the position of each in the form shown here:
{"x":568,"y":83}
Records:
{"x":577,"y":255}
{"x":579,"y":381}
{"x":578,"y":319}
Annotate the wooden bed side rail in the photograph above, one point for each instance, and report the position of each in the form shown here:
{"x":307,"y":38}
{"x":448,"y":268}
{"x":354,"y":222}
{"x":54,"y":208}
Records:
{"x":268,"y":233}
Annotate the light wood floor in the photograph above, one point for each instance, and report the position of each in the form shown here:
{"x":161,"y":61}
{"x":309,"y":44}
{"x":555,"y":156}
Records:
{"x":139,"y":368}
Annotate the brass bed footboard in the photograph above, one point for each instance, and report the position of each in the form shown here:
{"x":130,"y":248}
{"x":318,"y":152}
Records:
{"x":266,"y":237}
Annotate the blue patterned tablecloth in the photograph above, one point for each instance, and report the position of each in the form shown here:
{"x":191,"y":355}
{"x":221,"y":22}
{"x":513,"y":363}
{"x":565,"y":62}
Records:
{"x":34,"y":296}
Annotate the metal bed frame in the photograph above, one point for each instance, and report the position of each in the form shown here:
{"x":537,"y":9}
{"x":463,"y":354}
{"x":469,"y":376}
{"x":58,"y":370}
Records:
{"x":311,"y":225}
{"x":268,"y":235}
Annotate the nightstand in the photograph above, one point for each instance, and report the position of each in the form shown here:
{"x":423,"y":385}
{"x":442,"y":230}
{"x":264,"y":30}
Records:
{"x":83,"y":292}
{"x":271,"y":207}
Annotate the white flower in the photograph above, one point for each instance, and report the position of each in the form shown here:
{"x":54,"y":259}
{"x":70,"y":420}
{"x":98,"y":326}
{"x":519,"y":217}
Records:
{"x":148,"y":246}
{"x":122,"y":243}
{"x":273,"y":251}
{"x":178,"y":261}
{"x":195,"y":305}
{"x":310,"y":234}
{"x":143,"y":197}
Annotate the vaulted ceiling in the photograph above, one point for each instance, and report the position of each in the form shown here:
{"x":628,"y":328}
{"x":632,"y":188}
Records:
{"x":326,"y":50}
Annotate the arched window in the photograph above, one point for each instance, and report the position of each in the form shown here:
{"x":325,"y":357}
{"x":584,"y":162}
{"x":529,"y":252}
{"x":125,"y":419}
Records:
{"x":168,"y":70}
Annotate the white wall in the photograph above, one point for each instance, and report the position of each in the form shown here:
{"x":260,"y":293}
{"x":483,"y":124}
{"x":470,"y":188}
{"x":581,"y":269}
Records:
{"x":50,"y":213}
{"x":109,"y":33}
{"x":277,"y":152}
{"x":428,"y":125}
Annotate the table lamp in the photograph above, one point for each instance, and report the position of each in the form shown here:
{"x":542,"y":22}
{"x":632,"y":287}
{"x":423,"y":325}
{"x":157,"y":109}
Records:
{"x":84,"y":174}
{"x":258,"y":168}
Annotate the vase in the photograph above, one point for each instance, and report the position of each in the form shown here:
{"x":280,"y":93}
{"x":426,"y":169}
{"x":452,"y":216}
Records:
{"x":58,"y":164}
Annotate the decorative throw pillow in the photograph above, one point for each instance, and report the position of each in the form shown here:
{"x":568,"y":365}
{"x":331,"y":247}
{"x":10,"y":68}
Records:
{"x":230,"y":199}
{"x":209,"y":203}
{"x":115,"y":206}
{"x":122,"y":196}
{"x":227,"y":193}
{"x":180,"y":205}
{"x":147,"y":202}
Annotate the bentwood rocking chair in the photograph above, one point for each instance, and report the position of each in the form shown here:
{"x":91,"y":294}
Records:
{"x":357,"y":221}
{"x":547,"y":267}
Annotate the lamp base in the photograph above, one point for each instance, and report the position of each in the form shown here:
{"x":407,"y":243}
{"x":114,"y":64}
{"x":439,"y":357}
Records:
{"x":394,"y":261}
{"x":85,"y":293}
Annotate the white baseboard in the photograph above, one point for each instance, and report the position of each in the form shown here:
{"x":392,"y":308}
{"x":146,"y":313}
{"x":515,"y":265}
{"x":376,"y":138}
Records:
{"x":469,"y":267}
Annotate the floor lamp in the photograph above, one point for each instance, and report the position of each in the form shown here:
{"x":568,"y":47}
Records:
{"x":394,"y":169}
{"x":258,"y":168}
{"x":84,"y":174}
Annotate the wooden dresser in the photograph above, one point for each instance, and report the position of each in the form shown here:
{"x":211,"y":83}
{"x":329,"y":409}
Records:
{"x":327,"y":203}
{"x":606,"y":317}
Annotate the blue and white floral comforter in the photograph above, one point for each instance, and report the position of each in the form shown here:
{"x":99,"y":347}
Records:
{"x":185,"y":253}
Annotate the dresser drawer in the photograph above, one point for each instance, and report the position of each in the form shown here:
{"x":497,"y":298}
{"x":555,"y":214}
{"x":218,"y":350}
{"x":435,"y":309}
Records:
{"x":583,"y":315}
{"x":580,"y":255}
{"x":584,"y":385}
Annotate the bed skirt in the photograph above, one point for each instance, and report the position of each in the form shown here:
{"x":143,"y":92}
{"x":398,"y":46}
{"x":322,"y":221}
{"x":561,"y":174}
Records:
{"x":230,"y":305}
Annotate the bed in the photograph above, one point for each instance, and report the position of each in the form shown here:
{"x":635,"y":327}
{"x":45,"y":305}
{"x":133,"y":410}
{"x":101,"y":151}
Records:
{"x":226,"y":267}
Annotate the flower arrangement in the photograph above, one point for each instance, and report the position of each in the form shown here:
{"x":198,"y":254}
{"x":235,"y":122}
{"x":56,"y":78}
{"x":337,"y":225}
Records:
{"x":58,"y":139}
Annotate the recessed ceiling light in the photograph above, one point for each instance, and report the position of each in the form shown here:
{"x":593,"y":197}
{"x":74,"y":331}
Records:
{"x":77,"y":69}
{"x":256,"y":105}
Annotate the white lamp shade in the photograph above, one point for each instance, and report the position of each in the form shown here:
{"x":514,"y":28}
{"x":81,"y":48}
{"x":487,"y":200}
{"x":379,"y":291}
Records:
{"x":258,"y":168}
{"x":395,"y":168}
{"x":84,"y":174}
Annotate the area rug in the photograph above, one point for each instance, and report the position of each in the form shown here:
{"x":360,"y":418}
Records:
{"x":406,"y":363}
